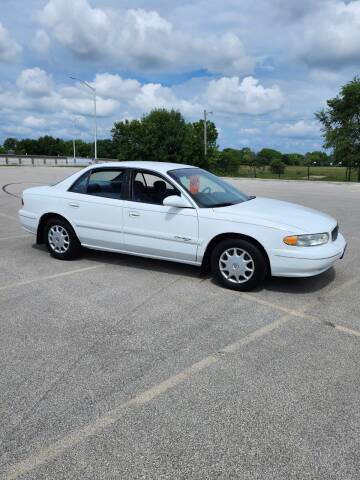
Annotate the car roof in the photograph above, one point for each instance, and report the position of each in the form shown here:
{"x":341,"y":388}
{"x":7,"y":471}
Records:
{"x":161,"y":167}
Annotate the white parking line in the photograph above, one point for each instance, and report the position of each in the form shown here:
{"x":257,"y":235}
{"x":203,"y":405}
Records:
{"x":13,"y":217}
{"x":343,"y":286}
{"x":49,"y":277}
{"x":13,"y":237}
{"x":69,"y":441}
{"x":347,"y":330}
{"x":55,"y":449}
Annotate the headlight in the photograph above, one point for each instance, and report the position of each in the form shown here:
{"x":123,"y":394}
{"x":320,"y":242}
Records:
{"x":307,"y":240}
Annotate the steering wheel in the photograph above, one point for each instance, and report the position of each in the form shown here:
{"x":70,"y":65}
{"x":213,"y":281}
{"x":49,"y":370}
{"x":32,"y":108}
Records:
{"x":206,"y":190}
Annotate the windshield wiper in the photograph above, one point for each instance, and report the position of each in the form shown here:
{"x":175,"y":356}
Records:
{"x":251,"y":197}
{"x":224,"y":204}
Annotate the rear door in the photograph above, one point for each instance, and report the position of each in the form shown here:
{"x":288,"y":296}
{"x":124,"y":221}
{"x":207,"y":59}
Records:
{"x":95,"y":206}
{"x":156,"y":230}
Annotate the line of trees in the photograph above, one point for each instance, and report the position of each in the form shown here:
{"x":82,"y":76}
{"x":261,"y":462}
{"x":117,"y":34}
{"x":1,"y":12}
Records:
{"x":164,"y":135}
{"x":48,"y":145}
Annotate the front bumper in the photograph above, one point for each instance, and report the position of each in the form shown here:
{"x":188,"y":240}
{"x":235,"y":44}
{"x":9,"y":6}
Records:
{"x":306,"y":261}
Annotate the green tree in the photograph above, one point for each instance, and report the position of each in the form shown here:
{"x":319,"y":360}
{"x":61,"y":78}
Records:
{"x":106,"y":149}
{"x":341,"y":124}
{"x":27,"y":146}
{"x":164,"y":133}
{"x":127,"y":140}
{"x":194,"y":152}
{"x":277,"y":166}
{"x":267,"y":155}
{"x":84,"y":149}
{"x":10,"y":144}
{"x":225,"y":163}
{"x":317,"y":158}
{"x":293,"y":159}
{"x":49,"y":145}
{"x":247,"y":156}
{"x":164,"y":136}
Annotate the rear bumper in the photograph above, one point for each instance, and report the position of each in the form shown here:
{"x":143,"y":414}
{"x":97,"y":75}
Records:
{"x":29,"y":221}
{"x":307,"y":261}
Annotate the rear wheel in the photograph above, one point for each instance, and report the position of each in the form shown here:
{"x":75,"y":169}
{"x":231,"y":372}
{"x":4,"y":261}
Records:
{"x":238,"y":264}
{"x":61,"y":240}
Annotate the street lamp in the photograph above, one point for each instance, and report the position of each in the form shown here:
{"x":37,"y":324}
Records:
{"x":93,"y":89}
{"x":205,"y":131}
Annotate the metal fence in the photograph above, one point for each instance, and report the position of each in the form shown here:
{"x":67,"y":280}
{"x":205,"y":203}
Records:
{"x":302,"y":172}
{"x":48,"y":161}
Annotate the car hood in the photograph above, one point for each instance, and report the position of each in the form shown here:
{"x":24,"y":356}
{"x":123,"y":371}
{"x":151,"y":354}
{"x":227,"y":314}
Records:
{"x":278,"y":214}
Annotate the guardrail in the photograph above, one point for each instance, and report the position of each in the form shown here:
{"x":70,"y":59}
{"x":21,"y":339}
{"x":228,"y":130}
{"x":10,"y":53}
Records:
{"x":48,"y":161}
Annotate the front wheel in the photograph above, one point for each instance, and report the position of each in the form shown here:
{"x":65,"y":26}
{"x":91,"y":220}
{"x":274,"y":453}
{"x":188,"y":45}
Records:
{"x":61,"y":240}
{"x":238,"y":264}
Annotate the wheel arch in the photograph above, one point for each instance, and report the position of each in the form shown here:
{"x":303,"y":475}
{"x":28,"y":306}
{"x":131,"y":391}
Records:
{"x":205,"y":265}
{"x":42,"y":222}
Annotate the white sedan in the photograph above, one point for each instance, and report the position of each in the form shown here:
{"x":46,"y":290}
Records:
{"x":183,"y":214}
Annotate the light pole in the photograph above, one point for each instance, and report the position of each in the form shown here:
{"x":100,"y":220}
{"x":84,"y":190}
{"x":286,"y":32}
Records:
{"x":205,"y":132}
{"x":93,"y":89}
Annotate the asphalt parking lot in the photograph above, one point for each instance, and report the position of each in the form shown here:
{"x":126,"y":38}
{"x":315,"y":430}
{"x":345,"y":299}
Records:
{"x":116,"y":367}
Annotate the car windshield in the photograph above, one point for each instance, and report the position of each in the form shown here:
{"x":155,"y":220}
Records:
{"x":206,"y":189}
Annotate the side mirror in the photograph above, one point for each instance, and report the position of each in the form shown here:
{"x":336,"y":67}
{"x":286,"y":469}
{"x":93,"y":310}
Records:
{"x":177,"y":202}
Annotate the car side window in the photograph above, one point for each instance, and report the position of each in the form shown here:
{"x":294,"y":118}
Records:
{"x":151,"y":188}
{"x":108,"y":183}
{"x":80,"y":185}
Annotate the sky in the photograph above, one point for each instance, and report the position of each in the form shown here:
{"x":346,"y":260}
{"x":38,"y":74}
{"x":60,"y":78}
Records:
{"x":262,"y":67}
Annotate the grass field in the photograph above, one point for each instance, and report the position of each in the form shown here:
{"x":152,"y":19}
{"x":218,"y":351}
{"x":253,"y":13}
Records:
{"x":336,"y":174}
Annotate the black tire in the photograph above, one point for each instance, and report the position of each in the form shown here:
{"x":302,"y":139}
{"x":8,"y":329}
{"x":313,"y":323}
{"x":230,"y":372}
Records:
{"x":244,"y":272}
{"x":71,"y":247}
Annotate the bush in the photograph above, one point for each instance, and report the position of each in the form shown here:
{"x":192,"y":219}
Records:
{"x":277,"y":166}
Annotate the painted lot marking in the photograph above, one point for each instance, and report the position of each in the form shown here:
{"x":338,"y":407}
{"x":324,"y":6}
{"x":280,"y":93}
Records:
{"x":13,"y":237}
{"x":341,"y":328}
{"x":13,"y":217}
{"x":69,"y":441}
{"x":49,"y":277}
{"x":55,"y":449}
{"x":349,"y":331}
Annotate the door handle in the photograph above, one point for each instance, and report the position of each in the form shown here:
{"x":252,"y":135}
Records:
{"x":184,"y":239}
{"x":134,"y":214}
{"x":73,"y":204}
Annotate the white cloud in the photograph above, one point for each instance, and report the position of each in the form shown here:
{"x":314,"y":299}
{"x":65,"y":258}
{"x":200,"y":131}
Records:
{"x":114,"y":86}
{"x":9,"y":48}
{"x":330,"y":37}
{"x":76,"y":25}
{"x":85,"y":106}
{"x":231,"y":95}
{"x":295,"y":9}
{"x":41,"y":42}
{"x":300,"y":129}
{"x":139,"y":39}
{"x":35,"y":82}
{"x":34,"y":122}
{"x":249,"y":131}
{"x":36,"y":91}
{"x":154,"y":95}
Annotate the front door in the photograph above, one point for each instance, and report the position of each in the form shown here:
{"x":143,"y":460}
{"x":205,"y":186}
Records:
{"x":95,"y":203}
{"x":156,"y":230}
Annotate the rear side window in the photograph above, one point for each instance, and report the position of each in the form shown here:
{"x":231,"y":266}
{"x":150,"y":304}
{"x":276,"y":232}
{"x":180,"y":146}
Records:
{"x":108,"y":183}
